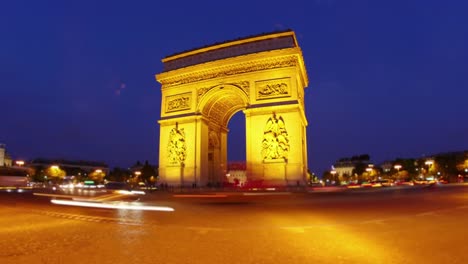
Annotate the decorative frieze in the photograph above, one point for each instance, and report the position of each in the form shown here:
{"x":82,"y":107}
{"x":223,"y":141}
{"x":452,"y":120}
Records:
{"x":178,"y":102}
{"x":223,"y":71}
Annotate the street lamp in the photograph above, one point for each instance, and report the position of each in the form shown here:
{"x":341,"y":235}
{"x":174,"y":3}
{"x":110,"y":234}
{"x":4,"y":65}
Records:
{"x":20,"y":163}
{"x":333,"y":172}
{"x":397,"y":167}
{"x":428,"y":164}
{"x":369,"y":170}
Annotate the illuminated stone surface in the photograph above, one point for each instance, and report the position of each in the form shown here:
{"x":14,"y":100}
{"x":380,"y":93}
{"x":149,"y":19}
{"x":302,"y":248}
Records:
{"x":263,"y":76}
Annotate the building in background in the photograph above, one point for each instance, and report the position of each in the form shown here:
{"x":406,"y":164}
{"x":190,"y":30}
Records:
{"x":5,"y":158}
{"x":236,"y":173}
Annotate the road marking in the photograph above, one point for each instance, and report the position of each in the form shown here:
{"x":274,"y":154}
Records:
{"x":81,"y":198}
{"x":56,"y":195}
{"x":89,"y":218}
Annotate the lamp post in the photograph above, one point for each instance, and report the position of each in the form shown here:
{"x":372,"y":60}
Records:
{"x":369,"y":172}
{"x":333,"y":172}
{"x":397,"y":167}
{"x":429,"y":165}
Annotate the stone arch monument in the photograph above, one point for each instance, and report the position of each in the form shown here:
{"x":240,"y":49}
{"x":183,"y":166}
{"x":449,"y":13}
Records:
{"x":264,"y":76}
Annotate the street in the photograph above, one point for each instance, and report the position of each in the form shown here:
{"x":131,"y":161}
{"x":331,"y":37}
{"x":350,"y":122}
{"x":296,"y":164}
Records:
{"x":420,"y":225}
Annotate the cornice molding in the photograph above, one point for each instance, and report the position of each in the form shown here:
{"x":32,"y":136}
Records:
{"x":169,"y":79}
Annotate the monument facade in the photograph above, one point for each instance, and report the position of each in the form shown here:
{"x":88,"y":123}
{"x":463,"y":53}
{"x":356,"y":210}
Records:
{"x":264,"y":76}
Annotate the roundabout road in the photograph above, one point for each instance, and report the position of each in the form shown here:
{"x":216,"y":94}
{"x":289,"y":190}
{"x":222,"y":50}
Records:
{"x":424,"y":225}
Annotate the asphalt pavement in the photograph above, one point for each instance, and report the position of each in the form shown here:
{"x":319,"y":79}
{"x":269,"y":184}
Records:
{"x":417,"y":225}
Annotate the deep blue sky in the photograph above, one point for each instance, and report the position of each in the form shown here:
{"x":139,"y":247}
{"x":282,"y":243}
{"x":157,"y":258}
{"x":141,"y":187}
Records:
{"x":387,"y":78}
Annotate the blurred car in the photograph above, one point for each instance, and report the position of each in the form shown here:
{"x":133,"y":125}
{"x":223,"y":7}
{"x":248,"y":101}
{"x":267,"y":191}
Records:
{"x":403,"y":183}
{"x":366,"y":184}
{"x":353,"y":185}
{"x":316,"y":184}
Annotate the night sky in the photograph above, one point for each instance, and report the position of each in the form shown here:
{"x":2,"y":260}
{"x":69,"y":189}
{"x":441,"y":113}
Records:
{"x":387,"y":78}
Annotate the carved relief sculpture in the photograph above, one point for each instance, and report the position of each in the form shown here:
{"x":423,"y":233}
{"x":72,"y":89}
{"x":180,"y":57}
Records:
{"x":270,"y":90}
{"x":273,"y":88}
{"x":178,"y":102}
{"x":275,"y":144}
{"x":177,"y":148}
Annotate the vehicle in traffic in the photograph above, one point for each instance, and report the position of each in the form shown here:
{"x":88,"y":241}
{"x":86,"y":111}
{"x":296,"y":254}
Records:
{"x":382,"y":183}
{"x":14,"y":178}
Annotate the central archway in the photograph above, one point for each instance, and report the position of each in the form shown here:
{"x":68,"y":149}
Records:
{"x":218,"y":104}
{"x":262,"y":76}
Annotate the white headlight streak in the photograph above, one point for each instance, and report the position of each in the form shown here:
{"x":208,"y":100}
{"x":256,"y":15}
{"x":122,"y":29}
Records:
{"x":123,"y":206}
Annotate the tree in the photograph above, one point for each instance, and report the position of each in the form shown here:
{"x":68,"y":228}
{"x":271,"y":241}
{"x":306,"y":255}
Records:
{"x":119,"y":174}
{"x":54,"y":173}
{"x":148,"y":173}
{"x":311,"y":176}
{"x":328,"y":177}
{"x":97,"y":176}
{"x":38,"y":174}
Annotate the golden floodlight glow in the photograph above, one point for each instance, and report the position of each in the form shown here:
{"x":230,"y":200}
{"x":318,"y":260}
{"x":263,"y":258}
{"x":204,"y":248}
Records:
{"x":98,"y":171}
{"x":263,"y":77}
{"x":55,"y":167}
{"x":19,"y":162}
{"x":397,"y":166}
{"x":138,"y":173}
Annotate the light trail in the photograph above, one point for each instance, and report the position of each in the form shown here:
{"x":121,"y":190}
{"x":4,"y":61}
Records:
{"x":265,"y":193}
{"x":113,"y":206}
{"x":199,"y":195}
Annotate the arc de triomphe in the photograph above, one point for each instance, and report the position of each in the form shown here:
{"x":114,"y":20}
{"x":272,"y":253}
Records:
{"x":264,"y":76}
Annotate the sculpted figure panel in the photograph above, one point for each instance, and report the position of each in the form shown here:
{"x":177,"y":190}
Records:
{"x":275,"y":144}
{"x":177,"y":148}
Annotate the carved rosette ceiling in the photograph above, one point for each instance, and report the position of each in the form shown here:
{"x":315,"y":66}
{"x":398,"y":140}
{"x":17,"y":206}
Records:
{"x":243,"y":85}
{"x":223,"y":71}
{"x":275,"y":144}
{"x":176,"y":147}
{"x":221,"y":107}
